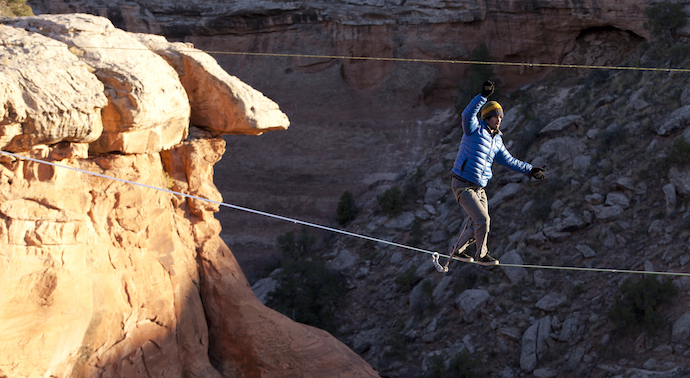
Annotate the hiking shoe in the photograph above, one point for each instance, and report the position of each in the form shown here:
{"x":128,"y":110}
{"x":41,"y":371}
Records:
{"x":487,"y":260}
{"x":464,"y":257}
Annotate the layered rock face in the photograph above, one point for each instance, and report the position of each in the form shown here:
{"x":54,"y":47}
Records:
{"x":366,"y":122}
{"x":103,"y":277}
{"x":528,"y":32}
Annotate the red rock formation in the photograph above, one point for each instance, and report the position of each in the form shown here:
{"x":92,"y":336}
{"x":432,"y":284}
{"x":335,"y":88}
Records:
{"x":103,"y":277}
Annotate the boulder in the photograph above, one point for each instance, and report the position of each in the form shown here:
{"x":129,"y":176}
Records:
{"x":679,"y":119}
{"x":434,"y":194}
{"x":366,"y":339}
{"x":221,"y":103}
{"x":512,"y":333}
{"x":680,"y":179}
{"x":681,"y":329}
{"x":537,"y":239}
{"x":572,"y":122}
{"x":670,"y":196}
{"x":533,"y":343}
{"x":587,"y":251}
{"x":344,"y":261}
{"x":607,"y":213}
{"x":443,"y":289}
{"x":626,"y":183}
{"x":582,"y":162}
{"x":617,"y":199}
{"x":148,"y":109}
{"x":571,"y":331}
{"x":513,"y":118}
{"x":571,"y":223}
{"x":564,"y":149}
{"x":509,"y":191}
{"x":576,"y":356}
{"x":264,"y":286}
{"x":595,"y":199}
{"x":404,"y":221}
{"x":553,"y":233}
{"x":47,"y":95}
{"x":469,"y":301}
{"x":421,"y":297}
{"x":636,"y":101}
{"x":551,"y":302}
{"x":514,"y":274}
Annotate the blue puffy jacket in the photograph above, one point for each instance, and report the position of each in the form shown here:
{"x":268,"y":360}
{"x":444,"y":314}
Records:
{"x":478,"y":148}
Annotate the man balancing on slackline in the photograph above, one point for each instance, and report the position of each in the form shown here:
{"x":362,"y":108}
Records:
{"x":481,"y":144}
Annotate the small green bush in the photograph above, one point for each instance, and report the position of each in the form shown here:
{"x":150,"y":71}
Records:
{"x":609,"y":139}
{"x":576,"y":291}
{"x":679,"y":53}
{"x":544,"y":196}
{"x":347,"y":210}
{"x":295,"y":247}
{"x":307,"y":291}
{"x":413,"y":189}
{"x":580,"y":99}
{"x":664,"y":18}
{"x":478,"y":73}
{"x":416,"y":233}
{"x":407,"y":279}
{"x":467,"y":278}
{"x":679,"y":153}
{"x":638,"y":307}
{"x":397,"y":345}
{"x":463,"y":364}
{"x":626,"y":80}
{"x":391,"y":201}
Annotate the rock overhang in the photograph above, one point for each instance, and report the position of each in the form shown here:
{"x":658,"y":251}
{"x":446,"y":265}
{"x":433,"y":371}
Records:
{"x":78,"y":79}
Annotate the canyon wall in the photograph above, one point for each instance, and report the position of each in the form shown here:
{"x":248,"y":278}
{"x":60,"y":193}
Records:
{"x":102,"y":274}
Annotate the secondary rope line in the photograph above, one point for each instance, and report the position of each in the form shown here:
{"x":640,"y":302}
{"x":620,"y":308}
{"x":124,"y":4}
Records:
{"x":601,"y":270}
{"x":365,"y":58}
{"x":326,"y":228}
{"x":454,"y":61}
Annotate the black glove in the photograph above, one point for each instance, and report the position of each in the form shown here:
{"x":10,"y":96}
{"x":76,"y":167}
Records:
{"x":487,"y":88}
{"x":537,"y":173}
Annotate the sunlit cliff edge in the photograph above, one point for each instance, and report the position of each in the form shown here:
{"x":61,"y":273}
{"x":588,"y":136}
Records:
{"x":105,"y":278}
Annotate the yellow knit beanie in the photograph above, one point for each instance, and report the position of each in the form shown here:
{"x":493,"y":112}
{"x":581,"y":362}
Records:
{"x":492,"y":108}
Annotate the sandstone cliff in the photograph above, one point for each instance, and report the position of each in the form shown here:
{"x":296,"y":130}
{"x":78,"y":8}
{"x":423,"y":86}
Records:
{"x":105,"y":278}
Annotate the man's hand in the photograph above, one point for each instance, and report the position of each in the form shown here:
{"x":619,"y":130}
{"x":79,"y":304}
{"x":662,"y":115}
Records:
{"x":487,"y":88}
{"x":538,"y":173}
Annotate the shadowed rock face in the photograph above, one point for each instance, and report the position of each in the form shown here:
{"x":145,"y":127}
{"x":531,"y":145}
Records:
{"x":105,"y":278}
{"x":358,"y":124}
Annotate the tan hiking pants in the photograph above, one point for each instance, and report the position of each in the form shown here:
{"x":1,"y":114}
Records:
{"x":473,"y":200}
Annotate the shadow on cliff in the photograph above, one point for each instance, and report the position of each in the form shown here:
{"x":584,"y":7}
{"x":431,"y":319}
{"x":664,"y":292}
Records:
{"x":248,"y":339}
